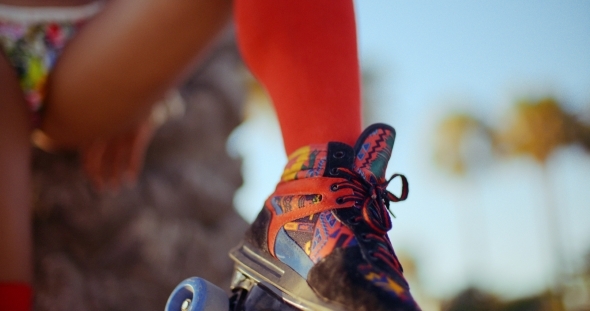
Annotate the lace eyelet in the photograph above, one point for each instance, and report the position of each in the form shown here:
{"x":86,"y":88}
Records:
{"x":364,"y":237}
{"x":339,"y":200}
{"x":338,"y":154}
{"x":334,"y":187}
{"x":334,"y":171}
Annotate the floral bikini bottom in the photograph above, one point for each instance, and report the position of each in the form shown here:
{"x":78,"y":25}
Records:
{"x":32,"y":38}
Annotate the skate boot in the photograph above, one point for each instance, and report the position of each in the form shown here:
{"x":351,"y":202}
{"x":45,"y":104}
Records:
{"x":320,"y":241}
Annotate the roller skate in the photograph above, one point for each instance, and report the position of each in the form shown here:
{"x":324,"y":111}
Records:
{"x":320,"y":242}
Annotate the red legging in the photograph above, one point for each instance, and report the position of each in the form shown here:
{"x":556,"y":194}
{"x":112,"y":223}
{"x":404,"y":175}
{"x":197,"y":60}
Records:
{"x":304,"y":52}
{"x":16,"y":296}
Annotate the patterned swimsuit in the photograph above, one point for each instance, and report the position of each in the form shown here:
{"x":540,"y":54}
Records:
{"x":33,"y":38}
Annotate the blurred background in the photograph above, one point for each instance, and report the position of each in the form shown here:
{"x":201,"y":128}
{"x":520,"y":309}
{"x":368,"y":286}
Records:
{"x":491,"y":103}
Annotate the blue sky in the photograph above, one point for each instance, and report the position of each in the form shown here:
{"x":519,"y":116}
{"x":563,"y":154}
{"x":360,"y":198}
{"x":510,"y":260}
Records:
{"x":432,"y":58}
{"x":435,"y":57}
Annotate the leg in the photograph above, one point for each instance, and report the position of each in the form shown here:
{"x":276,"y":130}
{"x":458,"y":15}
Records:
{"x":305,"y":54}
{"x":15,"y":205}
{"x":326,"y":223}
{"x":123,"y":61}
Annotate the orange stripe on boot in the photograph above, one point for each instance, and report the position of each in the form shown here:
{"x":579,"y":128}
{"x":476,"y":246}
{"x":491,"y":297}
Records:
{"x":308,"y":186}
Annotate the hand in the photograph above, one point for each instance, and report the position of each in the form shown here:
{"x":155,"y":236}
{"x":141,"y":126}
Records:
{"x":116,"y":161}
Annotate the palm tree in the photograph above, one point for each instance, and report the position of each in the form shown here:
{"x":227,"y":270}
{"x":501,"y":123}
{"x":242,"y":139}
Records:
{"x":538,"y":128}
{"x":460,"y":149}
{"x":455,"y":137}
{"x":535,"y":128}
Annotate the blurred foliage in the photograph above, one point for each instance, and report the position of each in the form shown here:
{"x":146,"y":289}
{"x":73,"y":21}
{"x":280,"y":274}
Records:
{"x":575,"y":297}
{"x":452,"y":134}
{"x":534,"y":127}
{"x":473,"y":299}
{"x":538,"y":128}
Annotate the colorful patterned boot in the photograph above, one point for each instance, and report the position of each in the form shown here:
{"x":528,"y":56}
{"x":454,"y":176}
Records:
{"x":320,"y":242}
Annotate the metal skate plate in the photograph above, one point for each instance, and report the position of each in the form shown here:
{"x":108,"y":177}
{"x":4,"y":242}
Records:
{"x":277,"y":277}
{"x":259,"y":298}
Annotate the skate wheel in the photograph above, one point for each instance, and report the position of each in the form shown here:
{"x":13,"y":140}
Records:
{"x":196,"y":294}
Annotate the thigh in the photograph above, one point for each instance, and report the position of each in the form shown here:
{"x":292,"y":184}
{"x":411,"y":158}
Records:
{"x":123,"y":61}
{"x":15,"y":222}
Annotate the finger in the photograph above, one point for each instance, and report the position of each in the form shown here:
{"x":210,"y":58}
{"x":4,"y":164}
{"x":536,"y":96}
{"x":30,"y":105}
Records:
{"x":122,"y":162}
{"x":113,"y":163}
{"x":138,"y":150}
{"x":92,"y":155}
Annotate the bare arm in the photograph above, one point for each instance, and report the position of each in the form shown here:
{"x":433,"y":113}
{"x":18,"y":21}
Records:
{"x":123,"y":61}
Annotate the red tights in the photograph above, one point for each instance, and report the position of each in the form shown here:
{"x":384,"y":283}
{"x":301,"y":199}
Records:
{"x":15,"y":297}
{"x":304,"y":52}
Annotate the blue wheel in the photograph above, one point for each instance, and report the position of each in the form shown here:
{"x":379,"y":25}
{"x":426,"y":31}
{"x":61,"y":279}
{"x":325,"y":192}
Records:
{"x":196,"y":294}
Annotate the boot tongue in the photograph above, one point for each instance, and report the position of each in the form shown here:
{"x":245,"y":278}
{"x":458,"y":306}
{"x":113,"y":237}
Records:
{"x":373,"y":150}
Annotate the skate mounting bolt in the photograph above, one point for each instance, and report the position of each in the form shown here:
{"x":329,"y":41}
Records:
{"x":186,"y":304}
